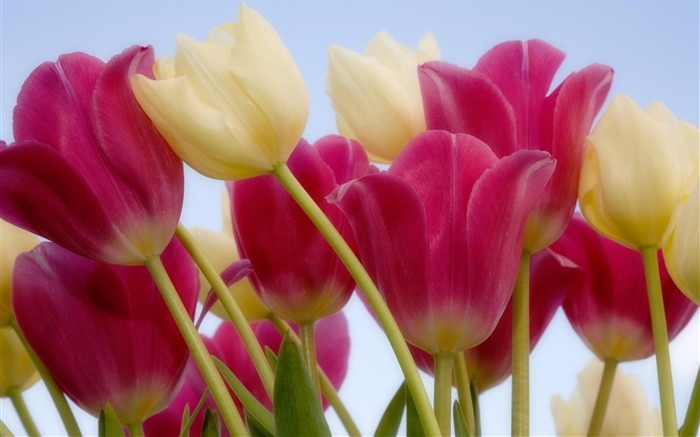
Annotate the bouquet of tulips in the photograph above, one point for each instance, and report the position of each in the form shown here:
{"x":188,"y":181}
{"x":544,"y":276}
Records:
{"x":448,"y":202}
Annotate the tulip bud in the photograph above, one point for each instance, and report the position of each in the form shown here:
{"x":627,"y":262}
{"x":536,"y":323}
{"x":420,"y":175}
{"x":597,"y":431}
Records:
{"x":13,"y":241}
{"x":17,"y":372}
{"x":682,"y":251}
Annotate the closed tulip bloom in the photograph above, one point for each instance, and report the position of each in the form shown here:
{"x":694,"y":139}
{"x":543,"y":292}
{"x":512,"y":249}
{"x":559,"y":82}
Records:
{"x":628,"y":412}
{"x":441,"y":234}
{"x":17,"y":372}
{"x":639,"y":164}
{"x":103,"y":331}
{"x":376,"y":95}
{"x":295,"y":271}
{"x":88,"y":169}
{"x":13,"y":241}
{"x":233,"y":106}
{"x":682,"y":251}
{"x":608,"y":308}
{"x":503,"y":101}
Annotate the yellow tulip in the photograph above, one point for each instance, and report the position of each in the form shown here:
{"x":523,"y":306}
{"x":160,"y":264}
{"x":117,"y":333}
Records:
{"x":638,"y":165}
{"x":17,"y":372}
{"x":628,"y":411}
{"x":376,"y":96}
{"x":231,"y":107}
{"x":13,"y":241}
{"x":221,"y":251}
{"x":682,"y":250}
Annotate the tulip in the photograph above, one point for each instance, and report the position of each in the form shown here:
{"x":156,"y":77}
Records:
{"x":112,"y":337}
{"x":682,"y":250}
{"x":441,"y":234}
{"x":608,"y":308}
{"x":296,"y":272}
{"x":17,"y":372}
{"x":376,"y":95}
{"x":233,"y":106}
{"x":88,"y":169}
{"x":13,"y":241}
{"x":503,"y":101}
{"x":629,"y":413}
{"x":639,"y":165}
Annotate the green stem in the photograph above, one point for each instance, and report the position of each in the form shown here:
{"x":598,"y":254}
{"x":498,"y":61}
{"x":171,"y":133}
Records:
{"x":444,"y":361}
{"x":371,"y":293}
{"x":308,"y":348}
{"x":206,"y":366}
{"x":135,"y":429}
{"x":25,"y":417}
{"x":326,"y":385}
{"x":477,"y":412}
{"x":520,"y":410}
{"x":463,"y":390}
{"x":232,"y":309}
{"x":55,"y":391}
{"x":692,"y":417}
{"x":601,"y":403}
{"x":658,"y":327}
{"x":4,"y":430}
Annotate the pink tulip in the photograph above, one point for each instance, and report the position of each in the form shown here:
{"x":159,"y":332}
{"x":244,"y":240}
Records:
{"x":88,"y":170}
{"x":608,"y":308}
{"x":441,"y":234}
{"x":296,"y":272}
{"x":103,"y":331}
{"x":503,"y":101}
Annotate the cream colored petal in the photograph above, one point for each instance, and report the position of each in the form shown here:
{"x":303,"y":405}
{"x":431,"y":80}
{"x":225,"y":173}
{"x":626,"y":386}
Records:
{"x":428,"y":49}
{"x":682,"y":250}
{"x":164,"y":68}
{"x":13,"y":241}
{"x":227,"y":223}
{"x":16,"y":368}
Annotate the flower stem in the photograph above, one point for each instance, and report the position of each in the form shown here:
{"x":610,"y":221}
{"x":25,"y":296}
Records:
{"x":232,"y":309}
{"x":135,"y":429}
{"x":370,"y":291}
{"x":4,"y":430}
{"x":444,"y":361}
{"x":692,"y":417}
{"x":464,"y":391}
{"x":658,"y":327}
{"x":55,"y":392}
{"x":477,"y":411}
{"x":206,"y":366}
{"x":601,"y":403}
{"x":25,"y":417}
{"x":520,"y":410}
{"x":308,"y":348}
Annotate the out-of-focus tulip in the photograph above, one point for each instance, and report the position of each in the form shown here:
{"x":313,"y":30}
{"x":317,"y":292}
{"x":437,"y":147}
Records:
{"x":441,"y":234}
{"x":376,"y":96}
{"x":608,"y":308}
{"x":17,"y":372}
{"x":295,"y":271}
{"x":628,"y":412}
{"x":221,"y":251}
{"x":503,"y":101}
{"x":13,"y":241}
{"x":232,"y":106}
{"x":103,"y":331}
{"x":639,"y":165}
{"x":88,"y":169}
{"x":682,"y":250}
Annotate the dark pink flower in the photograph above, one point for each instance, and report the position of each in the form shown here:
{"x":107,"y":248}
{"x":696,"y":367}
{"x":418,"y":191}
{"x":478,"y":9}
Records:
{"x":296,"y":272}
{"x":441,"y":234}
{"x":104,"y":331}
{"x":88,"y":170}
{"x":503,"y":101}
{"x":609,"y":307}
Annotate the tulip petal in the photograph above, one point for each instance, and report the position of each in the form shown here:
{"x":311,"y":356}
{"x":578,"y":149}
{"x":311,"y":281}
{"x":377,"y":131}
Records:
{"x":346,"y":158}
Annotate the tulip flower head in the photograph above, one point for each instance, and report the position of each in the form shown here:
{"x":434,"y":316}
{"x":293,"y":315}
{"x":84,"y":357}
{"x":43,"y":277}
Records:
{"x":17,"y":372}
{"x":682,"y":250}
{"x":639,"y":164}
{"x":376,"y":95}
{"x":233,"y":106}
{"x":13,"y":241}
{"x":503,"y":101}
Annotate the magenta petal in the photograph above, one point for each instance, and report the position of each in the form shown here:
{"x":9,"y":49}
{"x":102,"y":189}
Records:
{"x":231,"y":274}
{"x":346,"y":158}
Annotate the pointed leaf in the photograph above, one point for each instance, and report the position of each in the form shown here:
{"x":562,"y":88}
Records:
{"x":211,"y":426}
{"x":297,"y":404}
{"x":108,"y":424}
{"x":414,"y":427}
{"x":461,"y":427}
{"x":255,"y":428}
{"x":391,"y":419}
{"x":271,"y":357}
{"x":184,"y":423}
{"x":5,"y":431}
{"x":189,"y":421}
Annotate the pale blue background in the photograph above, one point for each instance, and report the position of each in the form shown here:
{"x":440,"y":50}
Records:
{"x":653,"y":46}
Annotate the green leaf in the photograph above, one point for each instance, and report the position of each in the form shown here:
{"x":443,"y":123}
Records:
{"x":414,"y":427}
{"x":4,"y":430}
{"x":461,"y":427}
{"x":184,"y":428}
{"x":108,"y":424}
{"x":249,"y":401}
{"x":255,"y":428}
{"x":297,"y":405}
{"x":211,"y":426}
{"x":271,"y":357}
{"x":391,"y":419}
{"x":187,"y":423}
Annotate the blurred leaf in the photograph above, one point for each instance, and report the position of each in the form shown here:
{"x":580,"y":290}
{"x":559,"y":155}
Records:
{"x":211,"y":426}
{"x":108,"y":424}
{"x":255,"y":428}
{"x":184,"y":428}
{"x":4,"y":430}
{"x":391,"y":419}
{"x":297,"y":405}
{"x":461,"y":427}
{"x":249,"y":401}
{"x":271,"y":357}
{"x":187,"y":424}
{"x":414,"y":427}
